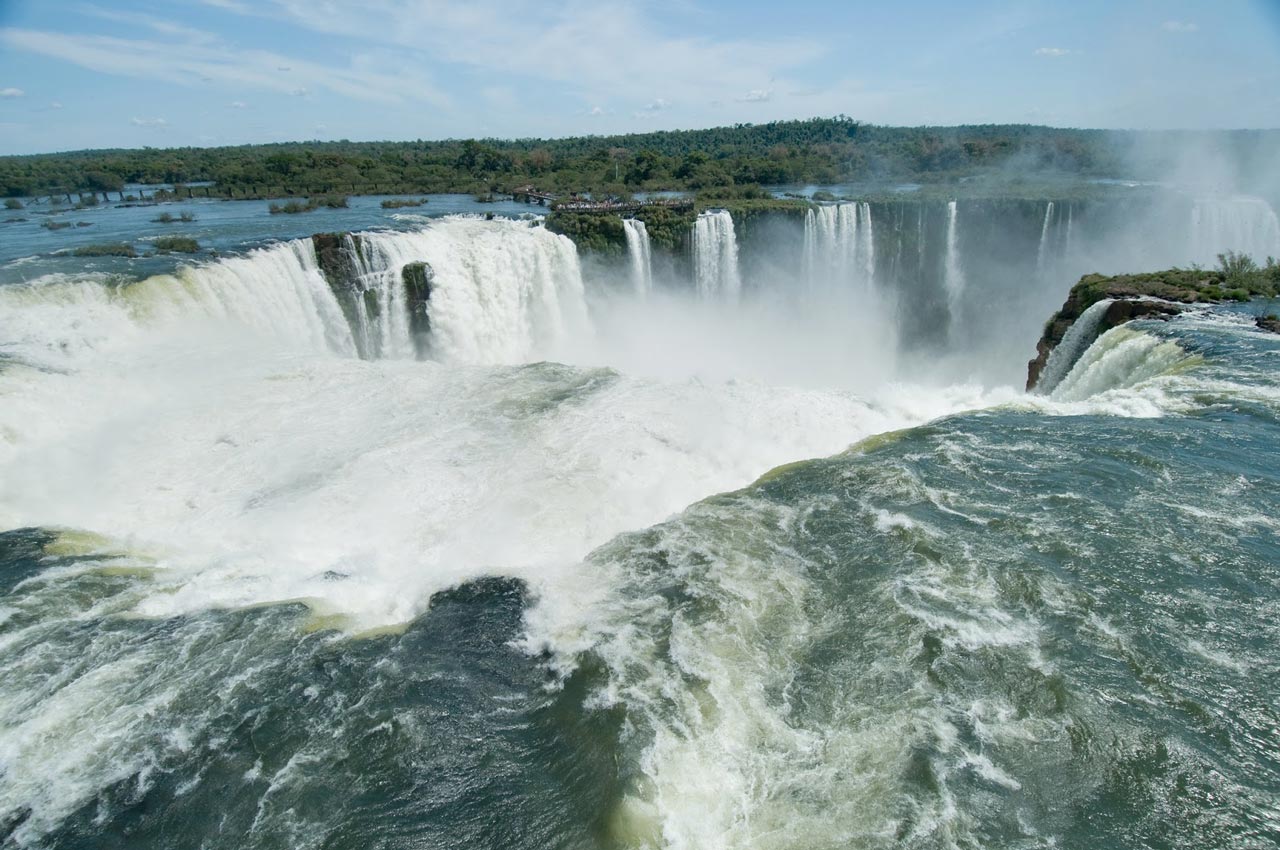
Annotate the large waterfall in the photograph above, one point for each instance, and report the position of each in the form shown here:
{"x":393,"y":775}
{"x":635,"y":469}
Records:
{"x":499,"y":291}
{"x":839,"y":247}
{"x":1243,"y":224}
{"x":715,"y":255}
{"x":638,"y":249}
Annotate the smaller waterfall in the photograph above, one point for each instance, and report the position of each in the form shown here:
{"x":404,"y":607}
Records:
{"x":1044,"y":240}
{"x":381,"y":303}
{"x":1074,"y":343}
{"x":953,"y":273}
{"x":715,"y":256}
{"x":1244,"y":225}
{"x":1066,"y":248}
{"x":839,"y":247}
{"x":638,"y":249}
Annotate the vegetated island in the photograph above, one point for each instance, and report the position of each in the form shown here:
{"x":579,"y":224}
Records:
{"x":1158,"y":295}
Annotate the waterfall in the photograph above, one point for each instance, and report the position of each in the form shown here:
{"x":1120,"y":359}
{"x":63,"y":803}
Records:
{"x":1066,"y":249}
{"x":638,"y":249}
{"x":1074,"y":343}
{"x":1044,"y":240}
{"x":1243,"y":224}
{"x":867,"y":244}
{"x":839,"y":247}
{"x":715,"y":256}
{"x":500,"y":292}
{"x":953,"y":274}
{"x":382,"y":304}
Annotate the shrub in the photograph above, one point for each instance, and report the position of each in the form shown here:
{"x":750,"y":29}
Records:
{"x":12,"y":204}
{"x":108,"y":249}
{"x":177,"y":244}
{"x":397,"y":203}
{"x":164,"y":218}
{"x":56,"y":225}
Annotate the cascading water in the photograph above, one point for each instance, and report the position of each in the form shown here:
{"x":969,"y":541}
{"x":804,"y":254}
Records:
{"x":1074,"y":343}
{"x":953,"y":271}
{"x":639,"y":250}
{"x":502,"y":291}
{"x":715,"y":256}
{"x":839,"y":247}
{"x":1244,"y":225}
{"x":1041,"y":252}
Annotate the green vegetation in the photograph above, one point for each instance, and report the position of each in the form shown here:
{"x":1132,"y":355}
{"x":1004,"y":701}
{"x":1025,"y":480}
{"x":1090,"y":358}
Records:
{"x":170,"y":218}
{"x":819,"y":150}
{"x":12,"y":204}
{"x":400,"y":203}
{"x":176,"y":245}
{"x":314,"y":203}
{"x":109,"y":249}
{"x":50,"y":224}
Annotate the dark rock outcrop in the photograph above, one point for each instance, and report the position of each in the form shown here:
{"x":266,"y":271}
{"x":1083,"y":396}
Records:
{"x":418,"y":279}
{"x":1268,"y":323}
{"x":1155,"y":295}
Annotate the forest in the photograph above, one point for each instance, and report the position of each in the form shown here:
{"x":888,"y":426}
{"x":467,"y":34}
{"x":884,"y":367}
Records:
{"x":813,"y":151}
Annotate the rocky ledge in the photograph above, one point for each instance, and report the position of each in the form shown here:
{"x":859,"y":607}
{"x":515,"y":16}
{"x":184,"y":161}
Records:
{"x":1153,"y":295}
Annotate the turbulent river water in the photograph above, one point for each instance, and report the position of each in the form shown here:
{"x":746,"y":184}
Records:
{"x":621,"y":566}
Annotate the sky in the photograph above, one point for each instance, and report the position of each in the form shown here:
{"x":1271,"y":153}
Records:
{"x":163,"y":73}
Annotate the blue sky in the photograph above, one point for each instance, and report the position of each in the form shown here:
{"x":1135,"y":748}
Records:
{"x":129,"y":73}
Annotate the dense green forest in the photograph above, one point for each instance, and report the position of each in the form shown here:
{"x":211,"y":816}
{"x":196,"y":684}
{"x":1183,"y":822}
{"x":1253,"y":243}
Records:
{"x":819,"y":150}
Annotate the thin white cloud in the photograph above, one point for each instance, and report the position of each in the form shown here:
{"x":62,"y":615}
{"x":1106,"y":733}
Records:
{"x":148,"y":122}
{"x":159,"y":25}
{"x":657,"y":106}
{"x":596,"y":111}
{"x":55,"y":104}
{"x":756,"y":96}
{"x":1052,"y":51}
{"x":189,"y":63}
{"x":498,"y":36}
{"x":11,"y":92}
{"x":237,"y":104}
{"x":1180,"y":26}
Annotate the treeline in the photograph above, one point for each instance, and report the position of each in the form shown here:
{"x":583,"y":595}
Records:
{"x":820,"y":150}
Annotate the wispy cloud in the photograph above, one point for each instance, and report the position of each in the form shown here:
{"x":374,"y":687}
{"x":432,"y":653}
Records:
{"x":191,"y":63}
{"x":159,"y":25}
{"x":148,"y":122}
{"x":11,"y":92}
{"x":756,"y":96}
{"x":237,"y":104}
{"x":1052,"y":51}
{"x":1180,"y":26}
{"x":499,"y":36}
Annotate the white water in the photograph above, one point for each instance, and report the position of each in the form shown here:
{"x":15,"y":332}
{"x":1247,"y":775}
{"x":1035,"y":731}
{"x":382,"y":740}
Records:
{"x":715,"y":256}
{"x":386,"y":332}
{"x":1120,"y":359}
{"x":1044,"y":240}
{"x":953,"y":271}
{"x":218,"y":422}
{"x":1242,"y":224}
{"x":639,"y":250}
{"x":1074,"y":342}
{"x":839,"y":248}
